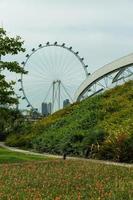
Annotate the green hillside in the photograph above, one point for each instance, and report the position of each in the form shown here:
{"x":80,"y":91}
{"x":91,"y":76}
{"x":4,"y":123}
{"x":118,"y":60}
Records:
{"x":98,"y":127}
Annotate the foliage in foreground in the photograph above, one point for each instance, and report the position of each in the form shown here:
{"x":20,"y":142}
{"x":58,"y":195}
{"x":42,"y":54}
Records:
{"x":7,"y":156}
{"x":11,"y":120}
{"x":9,"y":46}
{"x":98,"y":127}
{"x":65,"y":180}
{"x":8,"y":117}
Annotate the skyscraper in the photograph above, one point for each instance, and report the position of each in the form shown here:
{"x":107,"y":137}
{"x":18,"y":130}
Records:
{"x":49,"y":108}
{"x":44,"y":109}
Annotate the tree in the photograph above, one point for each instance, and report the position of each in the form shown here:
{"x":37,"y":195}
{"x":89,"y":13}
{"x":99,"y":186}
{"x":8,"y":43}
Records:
{"x":11,"y":121}
{"x":9,"y":46}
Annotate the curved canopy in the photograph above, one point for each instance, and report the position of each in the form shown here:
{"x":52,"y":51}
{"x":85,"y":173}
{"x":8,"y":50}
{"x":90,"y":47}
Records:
{"x":103,"y":71}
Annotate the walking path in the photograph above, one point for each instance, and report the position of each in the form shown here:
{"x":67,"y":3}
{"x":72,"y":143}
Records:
{"x":27,"y":152}
{"x":61,"y":157}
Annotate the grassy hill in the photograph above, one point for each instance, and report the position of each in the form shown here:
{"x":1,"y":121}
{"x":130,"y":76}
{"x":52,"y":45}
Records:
{"x":98,"y":127}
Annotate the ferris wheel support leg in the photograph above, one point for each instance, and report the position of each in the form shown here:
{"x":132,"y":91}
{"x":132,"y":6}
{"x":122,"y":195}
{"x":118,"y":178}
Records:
{"x":59,"y":85}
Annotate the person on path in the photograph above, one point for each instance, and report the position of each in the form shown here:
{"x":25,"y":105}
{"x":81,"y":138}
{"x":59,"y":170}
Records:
{"x":64,"y":156}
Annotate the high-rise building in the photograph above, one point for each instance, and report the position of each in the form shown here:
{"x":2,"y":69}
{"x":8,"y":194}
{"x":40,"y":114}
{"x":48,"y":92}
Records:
{"x":44,"y":109}
{"x":49,"y":108}
{"x":66,"y":102}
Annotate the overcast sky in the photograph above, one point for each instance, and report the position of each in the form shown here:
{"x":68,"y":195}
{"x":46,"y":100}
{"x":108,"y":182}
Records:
{"x":101,"y":30}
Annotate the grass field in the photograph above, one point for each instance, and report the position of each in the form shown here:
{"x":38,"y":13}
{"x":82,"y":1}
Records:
{"x":7,"y":156}
{"x":65,"y":180}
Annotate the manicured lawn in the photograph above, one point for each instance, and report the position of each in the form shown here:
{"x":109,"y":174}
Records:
{"x":65,"y":180}
{"x":7,"y":156}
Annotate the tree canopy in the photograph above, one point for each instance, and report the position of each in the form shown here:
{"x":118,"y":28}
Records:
{"x":9,"y":46}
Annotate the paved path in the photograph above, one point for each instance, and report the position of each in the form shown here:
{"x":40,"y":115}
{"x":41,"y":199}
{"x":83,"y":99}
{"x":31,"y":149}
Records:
{"x":61,"y":157}
{"x":28,"y":152}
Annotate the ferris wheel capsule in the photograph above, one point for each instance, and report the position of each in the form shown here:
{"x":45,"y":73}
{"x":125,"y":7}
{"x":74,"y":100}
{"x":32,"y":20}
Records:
{"x":63,"y":45}
{"x":27,"y":55}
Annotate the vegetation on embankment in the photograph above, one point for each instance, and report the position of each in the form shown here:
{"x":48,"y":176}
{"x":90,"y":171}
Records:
{"x":98,"y":127}
{"x":63,"y":180}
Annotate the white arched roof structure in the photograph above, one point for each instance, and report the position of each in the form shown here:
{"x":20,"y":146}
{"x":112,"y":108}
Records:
{"x":116,"y":65}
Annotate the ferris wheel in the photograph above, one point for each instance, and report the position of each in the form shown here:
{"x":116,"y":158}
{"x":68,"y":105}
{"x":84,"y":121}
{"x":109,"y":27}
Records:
{"x":55,"y":71}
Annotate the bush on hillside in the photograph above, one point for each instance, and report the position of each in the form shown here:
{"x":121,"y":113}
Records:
{"x":118,"y":148}
{"x":71,"y":144}
{"x":92,"y":142}
{"x":16,"y":140}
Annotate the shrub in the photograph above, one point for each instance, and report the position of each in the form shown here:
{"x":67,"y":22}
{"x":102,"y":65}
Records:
{"x":118,"y":148}
{"x":71,"y":144}
{"x":92,"y":142}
